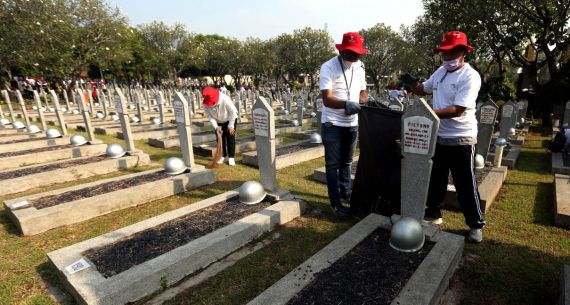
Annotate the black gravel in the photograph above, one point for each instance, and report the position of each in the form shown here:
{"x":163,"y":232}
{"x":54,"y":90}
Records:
{"x":148,"y":244}
{"x":50,"y":167}
{"x":33,"y":151}
{"x":371,"y":273}
{"x":291,"y":149}
{"x":480,"y":175}
{"x":53,"y":200}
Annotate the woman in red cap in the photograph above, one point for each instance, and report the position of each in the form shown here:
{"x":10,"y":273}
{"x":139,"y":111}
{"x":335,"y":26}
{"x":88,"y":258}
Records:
{"x":222,"y":113}
{"x":343,"y":87}
{"x":455,"y":87}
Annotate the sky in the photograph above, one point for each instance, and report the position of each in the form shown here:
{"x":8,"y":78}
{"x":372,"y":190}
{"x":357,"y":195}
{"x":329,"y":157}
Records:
{"x":269,"y":18}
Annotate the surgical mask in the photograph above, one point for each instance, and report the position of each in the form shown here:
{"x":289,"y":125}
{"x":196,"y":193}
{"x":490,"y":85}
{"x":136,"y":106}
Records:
{"x":349,"y":64}
{"x":451,"y":65}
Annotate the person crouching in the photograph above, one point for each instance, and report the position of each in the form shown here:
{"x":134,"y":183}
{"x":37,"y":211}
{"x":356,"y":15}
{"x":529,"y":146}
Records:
{"x":222,"y":114}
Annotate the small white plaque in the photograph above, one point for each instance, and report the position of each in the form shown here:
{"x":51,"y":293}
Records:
{"x":508,"y":111}
{"x":20,"y":204}
{"x":178,"y":111}
{"x":451,"y":188}
{"x":261,"y":122}
{"x":319,"y":104}
{"x":487,"y":115}
{"x":118,"y":105}
{"x":417,"y":135}
{"x":79,"y":265}
{"x":520,"y":105}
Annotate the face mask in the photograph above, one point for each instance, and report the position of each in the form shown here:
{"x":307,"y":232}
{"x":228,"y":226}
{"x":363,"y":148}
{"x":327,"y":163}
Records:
{"x":349,"y":64}
{"x":451,"y":65}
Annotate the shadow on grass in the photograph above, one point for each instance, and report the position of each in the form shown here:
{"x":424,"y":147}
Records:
{"x":54,"y":284}
{"x":544,"y":204}
{"x":6,"y":222}
{"x":533,"y":162}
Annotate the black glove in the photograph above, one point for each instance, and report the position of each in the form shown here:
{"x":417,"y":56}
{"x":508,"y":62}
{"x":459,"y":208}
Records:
{"x":351,"y":107}
{"x":409,"y":80}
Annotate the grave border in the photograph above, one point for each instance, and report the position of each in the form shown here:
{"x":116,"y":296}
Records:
{"x":488,"y":189}
{"x":558,"y":164}
{"x":510,"y":159}
{"x":37,"y":143}
{"x":282,"y":161}
{"x":425,"y":286}
{"x":30,"y":220}
{"x":89,"y":286}
{"x":561,"y":200}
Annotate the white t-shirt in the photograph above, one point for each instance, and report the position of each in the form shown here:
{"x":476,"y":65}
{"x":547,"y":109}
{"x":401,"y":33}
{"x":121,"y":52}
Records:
{"x":460,"y":88}
{"x":223,"y":111}
{"x":331,"y":77}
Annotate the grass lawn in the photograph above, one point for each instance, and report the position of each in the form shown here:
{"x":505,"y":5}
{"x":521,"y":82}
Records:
{"x":518,"y":263}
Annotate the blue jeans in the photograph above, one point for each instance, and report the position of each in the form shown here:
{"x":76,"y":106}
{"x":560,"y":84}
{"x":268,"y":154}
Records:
{"x":339,"y":143}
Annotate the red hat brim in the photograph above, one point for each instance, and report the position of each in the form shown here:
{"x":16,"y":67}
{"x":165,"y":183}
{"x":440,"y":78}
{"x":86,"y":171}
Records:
{"x":211,"y":96}
{"x":354,"y":49}
{"x":449,"y":47}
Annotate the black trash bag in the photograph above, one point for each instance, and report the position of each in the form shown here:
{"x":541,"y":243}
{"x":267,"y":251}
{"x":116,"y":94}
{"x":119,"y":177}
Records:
{"x":557,"y":144}
{"x":376,"y":187}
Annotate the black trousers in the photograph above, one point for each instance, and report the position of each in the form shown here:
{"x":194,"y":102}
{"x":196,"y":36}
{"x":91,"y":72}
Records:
{"x":460,"y":160}
{"x":228,"y":141}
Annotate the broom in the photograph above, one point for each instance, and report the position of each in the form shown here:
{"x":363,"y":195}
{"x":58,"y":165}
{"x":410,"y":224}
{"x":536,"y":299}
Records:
{"x":216,"y":155}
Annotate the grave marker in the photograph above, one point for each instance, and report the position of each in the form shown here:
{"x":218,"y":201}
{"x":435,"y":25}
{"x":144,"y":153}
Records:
{"x":160,"y":102}
{"x":264,"y":129}
{"x":40,"y":111}
{"x":66,"y":99}
{"x":419,"y":136}
{"x":138,"y":103}
{"x":486,"y":118}
{"x":9,"y":103}
{"x":80,"y":100}
{"x":508,"y":119}
{"x":319,"y":109}
{"x":23,"y":106}
{"x":90,"y":99}
{"x":300,"y":111}
{"x":566,"y":119}
{"x":58,"y":113}
{"x":103,"y":101}
{"x":121,"y":108}
{"x":184,"y":123}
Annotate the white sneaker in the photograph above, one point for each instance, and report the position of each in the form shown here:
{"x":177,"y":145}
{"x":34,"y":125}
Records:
{"x":221,"y":160}
{"x":231,"y":161}
{"x":475,"y":236}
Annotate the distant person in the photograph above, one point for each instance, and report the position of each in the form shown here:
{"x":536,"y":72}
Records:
{"x":455,"y":86}
{"x":222,"y":113}
{"x":343,"y":87}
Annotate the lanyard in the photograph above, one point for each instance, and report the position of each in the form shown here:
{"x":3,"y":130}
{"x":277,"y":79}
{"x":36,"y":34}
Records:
{"x":345,"y":81}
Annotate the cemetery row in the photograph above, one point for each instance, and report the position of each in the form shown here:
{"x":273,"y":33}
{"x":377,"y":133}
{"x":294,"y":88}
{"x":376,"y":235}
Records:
{"x":179,"y":243}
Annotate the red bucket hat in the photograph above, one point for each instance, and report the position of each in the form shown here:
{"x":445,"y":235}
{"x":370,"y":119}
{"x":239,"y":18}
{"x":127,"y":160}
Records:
{"x":211,"y":96}
{"x":451,"y":40}
{"x":352,"y":41}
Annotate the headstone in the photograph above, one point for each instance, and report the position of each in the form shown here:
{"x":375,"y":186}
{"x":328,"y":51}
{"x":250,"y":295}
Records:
{"x":192,"y":100}
{"x":521,"y":106}
{"x":103,"y":101}
{"x":419,"y":136}
{"x":319,"y":108}
{"x":300,"y":111}
{"x":160,"y":101}
{"x":264,"y":129}
{"x":9,"y":103}
{"x":66,"y":99}
{"x":396,"y":104}
{"x":138,"y":103}
{"x":121,"y":108}
{"x":486,"y":117}
{"x":508,"y":119}
{"x":23,"y":106}
{"x":91,"y":103}
{"x":81,"y":102}
{"x":184,"y":123}
{"x":58,"y":113}
{"x":566,"y":119}
{"x":40,"y":111}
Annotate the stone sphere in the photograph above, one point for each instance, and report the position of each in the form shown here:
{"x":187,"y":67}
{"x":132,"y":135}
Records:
{"x":34,"y":107}
{"x":500,"y":142}
{"x":145,"y":108}
{"x":522,"y":120}
{"x":33,"y":129}
{"x":316,"y":138}
{"x":407,"y":235}
{"x":51,"y":109}
{"x":63,"y":109}
{"x":156,"y":121}
{"x":77,"y":140}
{"x":512,"y":132}
{"x":251,"y":192}
{"x":43,"y":109}
{"x":174,"y":166}
{"x":479,"y":161}
{"x":131,"y":107}
{"x":4,"y":121}
{"x":75,"y":111}
{"x":115,"y":117}
{"x":286,"y":112}
{"x":115,"y":151}
{"x":295,"y":123}
{"x":18,"y":125}
{"x":52,"y":133}
{"x":304,"y":109}
{"x":99,"y":115}
{"x":96,"y":104}
{"x":313,"y":114}
{"x":135,"y":119}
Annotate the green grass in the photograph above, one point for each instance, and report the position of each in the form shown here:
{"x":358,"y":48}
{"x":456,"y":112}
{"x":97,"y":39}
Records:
{"x":518,"y":263}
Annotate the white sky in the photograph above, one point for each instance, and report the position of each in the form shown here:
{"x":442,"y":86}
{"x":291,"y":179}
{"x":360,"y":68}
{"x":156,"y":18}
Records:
{"x":269,"y":18}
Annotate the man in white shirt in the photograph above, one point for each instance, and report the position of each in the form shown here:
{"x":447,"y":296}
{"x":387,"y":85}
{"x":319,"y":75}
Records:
{"x":455,"y":86}
{"x":222,"y":114}
{"x":343,"y":87}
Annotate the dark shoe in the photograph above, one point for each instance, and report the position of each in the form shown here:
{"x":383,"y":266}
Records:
{"x":340,"y":211}
{"x":433,"y":216}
